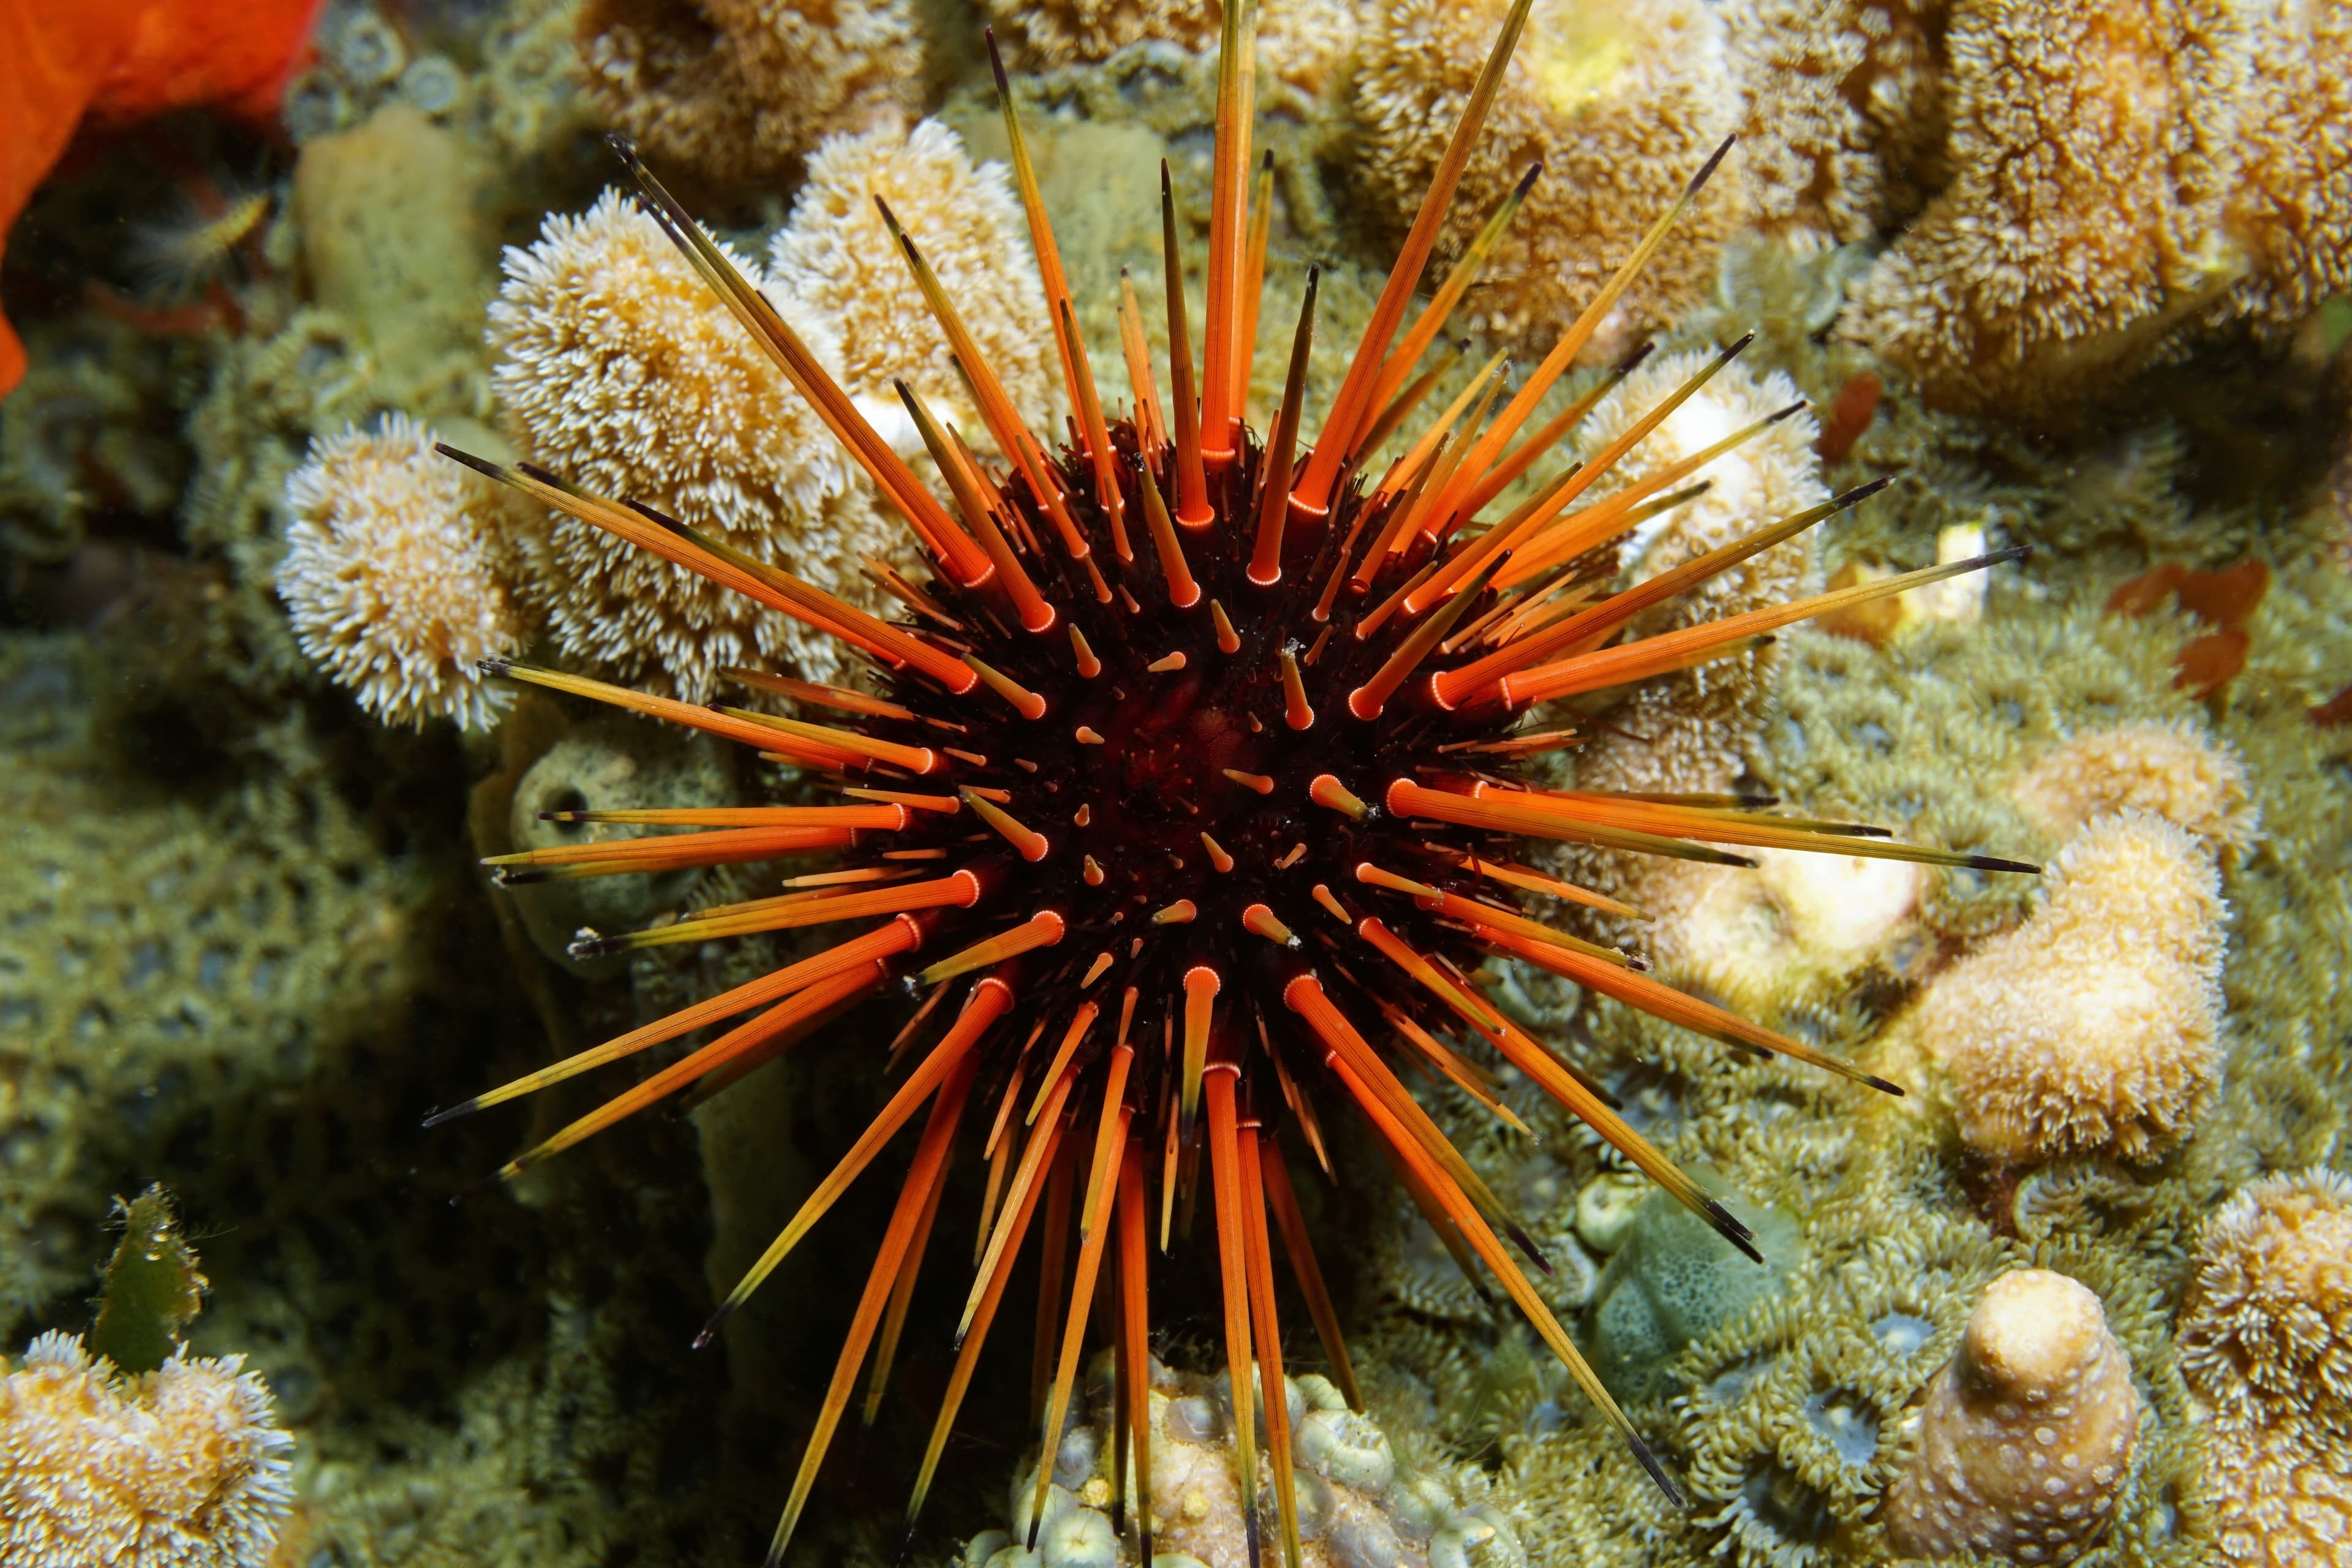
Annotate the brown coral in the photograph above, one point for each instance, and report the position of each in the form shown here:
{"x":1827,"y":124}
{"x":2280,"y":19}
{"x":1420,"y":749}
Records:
{"x":1303,"y":42}
{"x":2027,"y":1434}
{"x":737,"y":90}
{"x":1619,"y":104}
{"x":836,"y":259}
{"x":391,"y":576}
{"x":1844,"y":109}
{"x":2265,"y":1340}
{"x":2094,"y":1026}
{"x":2265,"y":1331}
{"x":2173,"y":770}
{"x":2118,"y":168}
{"x":183,"y":1468}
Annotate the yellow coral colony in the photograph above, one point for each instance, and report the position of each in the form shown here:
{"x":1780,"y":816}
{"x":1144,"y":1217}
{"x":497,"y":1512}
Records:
{"x":183,"y":1468}
{"x":390,"y":576}
{"x":1619,"y":101}
{"x":2094,"y":1026}
{"x":2026,"y":1437}
{"x":2265,"y":1340}
{"x":2174,"y":771}
{"x":737,"y":90}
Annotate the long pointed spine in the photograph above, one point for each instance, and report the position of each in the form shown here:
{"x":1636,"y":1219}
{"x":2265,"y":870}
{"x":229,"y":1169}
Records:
{"x":1228,"y":228}
{"x":1354,"y":407}
{"x":1192,"y":508}
{"x":1273,"y":505}
{"x":1232,"y":1262}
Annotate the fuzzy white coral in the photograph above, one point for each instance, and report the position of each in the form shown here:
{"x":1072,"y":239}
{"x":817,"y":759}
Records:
{"x":2094,"y":1026}
{"x":835,"y":260}
{"x":620,"y":370}
{"x":391,"y":575}
{"x":183,"y":1468}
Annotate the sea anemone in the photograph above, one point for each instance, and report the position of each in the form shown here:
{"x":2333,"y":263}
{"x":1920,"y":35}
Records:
{"x":390,"y":579}
{"x":1198,"y":758}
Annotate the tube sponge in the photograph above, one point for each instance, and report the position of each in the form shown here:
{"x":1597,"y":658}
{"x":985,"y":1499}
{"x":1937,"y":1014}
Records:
{"x":2026,"y":1437}
{"x":392,"y":578}
{"x":1620,"y":103}
{"x":183,"y":1468}
{"x":2094,"y":1026}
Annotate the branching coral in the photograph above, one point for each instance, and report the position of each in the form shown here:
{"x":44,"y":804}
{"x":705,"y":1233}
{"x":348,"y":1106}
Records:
{"x":1619,"y":104}
{"x":2174,"y":771}
{"x":183,"y":1468}
{"x":2094,"y":1026}
{"x":836,"y":261}
{"x":2027,"y":1434}
{"x":390,"y":576}
{"x":616,"y":365}
{"x":737,"y":90}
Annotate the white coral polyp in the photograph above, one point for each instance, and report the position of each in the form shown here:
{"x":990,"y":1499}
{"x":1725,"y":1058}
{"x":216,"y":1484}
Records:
{"x":389,"y":576}
{"x":183,"y":1468}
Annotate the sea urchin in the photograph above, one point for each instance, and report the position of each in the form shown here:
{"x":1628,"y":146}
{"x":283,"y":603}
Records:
{"x":1196,"y":771}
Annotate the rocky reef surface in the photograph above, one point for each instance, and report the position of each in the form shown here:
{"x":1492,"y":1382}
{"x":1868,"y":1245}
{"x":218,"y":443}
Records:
{"x":2077,"y":278}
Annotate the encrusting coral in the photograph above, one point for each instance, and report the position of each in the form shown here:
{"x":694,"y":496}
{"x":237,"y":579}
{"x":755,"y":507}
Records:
{"x":1619,"y":103}
{"x":738,"y":89}
{"x":2265,"y":1331}
{"x":2094,"y":1028}
{"x":390,"y":576}
{"x":1360,"y":1505}
{"x":1844,"y":110}
{"x":180,"y":1467}
{"x":2027,"y":1434}
{"x":2175,"y":771}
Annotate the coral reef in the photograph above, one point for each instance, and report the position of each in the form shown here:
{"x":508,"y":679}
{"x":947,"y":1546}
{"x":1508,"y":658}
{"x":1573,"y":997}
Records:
{"x":2094,"y":1026}
{"x":1620,"y":105}
{"x":1360,"y":1502}
{"x":738,"y":89}
{"x":2114,"y":172}
{"x":181,"y":1468}
{"x":1843,"y":110}
{"x":1307,"y":43}
{"x":615,"y":367}
{"x":2265,"y":1331}
{"x":390,"y":578}
{"x":2026,"y":1434}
